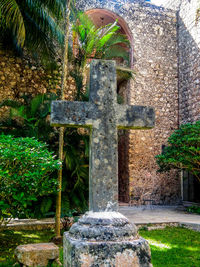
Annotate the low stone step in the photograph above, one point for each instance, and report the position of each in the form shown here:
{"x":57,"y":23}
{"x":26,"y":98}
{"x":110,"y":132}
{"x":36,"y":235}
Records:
{"x":36,"y":255}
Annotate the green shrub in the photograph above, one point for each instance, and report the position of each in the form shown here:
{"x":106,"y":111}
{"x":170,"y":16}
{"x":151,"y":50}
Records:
{"x":26,"y":168}
{"x":183,"y":151}
{"x":29,"y":117}
{"x":194,"y":209}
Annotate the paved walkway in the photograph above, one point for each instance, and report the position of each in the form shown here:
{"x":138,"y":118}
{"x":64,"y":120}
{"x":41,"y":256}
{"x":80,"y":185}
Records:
{"x":151,"y":215}
{"x":142,"y":215}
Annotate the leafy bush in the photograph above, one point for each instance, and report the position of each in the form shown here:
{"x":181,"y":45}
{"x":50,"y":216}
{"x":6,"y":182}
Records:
{"x":29,"y":117}
{"x":26,"y":168}
{"x":194,"y":209}
{"x":183,"y":151}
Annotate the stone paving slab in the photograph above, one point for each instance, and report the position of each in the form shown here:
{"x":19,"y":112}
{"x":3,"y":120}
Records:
{"x":142,"y":215}
{"x":154,"y":215}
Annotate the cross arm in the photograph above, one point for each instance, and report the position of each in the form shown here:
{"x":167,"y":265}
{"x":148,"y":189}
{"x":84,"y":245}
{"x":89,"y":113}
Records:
{"x":72,"y":114}
{"x":135,"y":117}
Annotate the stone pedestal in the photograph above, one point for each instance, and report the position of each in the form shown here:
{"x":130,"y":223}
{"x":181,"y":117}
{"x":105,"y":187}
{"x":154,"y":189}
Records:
{"x":105,"y":239}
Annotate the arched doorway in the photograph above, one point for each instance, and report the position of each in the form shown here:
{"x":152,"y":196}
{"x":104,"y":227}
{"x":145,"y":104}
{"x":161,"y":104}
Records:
{"x":101,"y":17}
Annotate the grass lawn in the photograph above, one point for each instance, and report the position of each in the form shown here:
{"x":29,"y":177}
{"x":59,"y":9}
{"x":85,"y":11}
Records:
{"x":9,"y":240}
{"x":170,"y":247}
{"x":174,"y":247}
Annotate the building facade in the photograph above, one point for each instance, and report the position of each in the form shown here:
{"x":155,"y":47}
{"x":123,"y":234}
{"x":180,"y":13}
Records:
{"x":165,"y":43}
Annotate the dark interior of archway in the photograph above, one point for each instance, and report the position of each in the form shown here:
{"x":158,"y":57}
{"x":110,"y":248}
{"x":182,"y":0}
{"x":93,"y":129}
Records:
{"x":101,"y":17}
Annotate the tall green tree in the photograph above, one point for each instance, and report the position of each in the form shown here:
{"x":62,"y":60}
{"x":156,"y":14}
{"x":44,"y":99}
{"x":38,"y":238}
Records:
{"x":34,"y":24}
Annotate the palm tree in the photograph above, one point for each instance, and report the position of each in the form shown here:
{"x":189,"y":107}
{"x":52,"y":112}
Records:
{"x":90,"y":42}
{"x":32,"y":24}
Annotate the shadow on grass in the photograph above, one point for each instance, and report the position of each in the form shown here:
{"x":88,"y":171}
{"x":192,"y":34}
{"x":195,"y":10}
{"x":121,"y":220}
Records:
{"x":172,"y":247}
{"x":10,"y":239}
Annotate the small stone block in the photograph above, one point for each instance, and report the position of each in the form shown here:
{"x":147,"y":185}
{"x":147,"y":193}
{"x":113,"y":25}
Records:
{"x":37,"y":254}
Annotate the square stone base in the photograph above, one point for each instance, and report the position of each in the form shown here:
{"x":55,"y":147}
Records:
{"x":80,"y":253}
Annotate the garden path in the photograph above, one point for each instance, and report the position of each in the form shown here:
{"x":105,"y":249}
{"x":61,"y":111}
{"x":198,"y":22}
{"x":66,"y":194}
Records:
{"x":160,"y":215}
{"x":142,"y":215}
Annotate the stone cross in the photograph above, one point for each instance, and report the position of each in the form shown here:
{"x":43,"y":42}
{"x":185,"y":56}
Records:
{"x":104,"y":117}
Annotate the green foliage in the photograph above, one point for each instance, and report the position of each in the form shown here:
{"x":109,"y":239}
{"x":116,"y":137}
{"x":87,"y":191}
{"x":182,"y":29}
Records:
{"x":75,"y":184}
{"x":101,"y":43}
{"x":26,"y":167}
{"x":194,"y":209}
{"x":183,"y":151}
{"x":33,"y":24}
{"x":30,"y":117}
{"x":171,"y":247}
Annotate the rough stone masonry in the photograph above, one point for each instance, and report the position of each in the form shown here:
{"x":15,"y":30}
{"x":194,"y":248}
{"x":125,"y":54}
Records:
{"x":103,"y":237}
{"x":152,"y":31}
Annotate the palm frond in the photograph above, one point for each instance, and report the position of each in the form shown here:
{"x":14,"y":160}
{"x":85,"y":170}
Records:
{"x":43,"y":17}
{"x":35,"y":104}
{"x":112,"y":27}
{"x":10,"y":103}
{"x":38,"y":42}
{"x":83,"y":19}
{"x":13,"y":19}
{"x":116,"y":51}
{"x":118,"y":38}
{"x":55,"y":7}
{"x":124,"y":74}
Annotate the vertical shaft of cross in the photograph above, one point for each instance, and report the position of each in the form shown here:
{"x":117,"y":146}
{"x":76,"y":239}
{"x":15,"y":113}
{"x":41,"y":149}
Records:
{"x":103,"y":142}
{"x":103,"y":116}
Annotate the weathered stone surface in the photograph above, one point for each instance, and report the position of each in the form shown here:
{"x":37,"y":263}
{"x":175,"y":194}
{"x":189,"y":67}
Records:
{"x":37,"y":255}
{"x":132,"y":253}
{"x":104,"y":116}
{"x":153,"y":36}
{"x":105,"y":239}
{"x":189,"y":58}
{"x":103,"y":236}
{"x":103,"y":226}
{"x":23,"y":76}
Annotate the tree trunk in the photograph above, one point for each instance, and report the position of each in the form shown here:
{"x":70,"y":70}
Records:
{"x":62,"y":129}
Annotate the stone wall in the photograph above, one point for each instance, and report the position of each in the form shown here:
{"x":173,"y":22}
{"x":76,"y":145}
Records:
{"x":171,"y":4}
{"x":18,"y":77}
{"x":189,"y":58}
{"x":154,"y":45}
{"x":22,"y":76}
{"x":154,"y":57}
{"x":156,"y":84}
{"x":189,"y":61}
